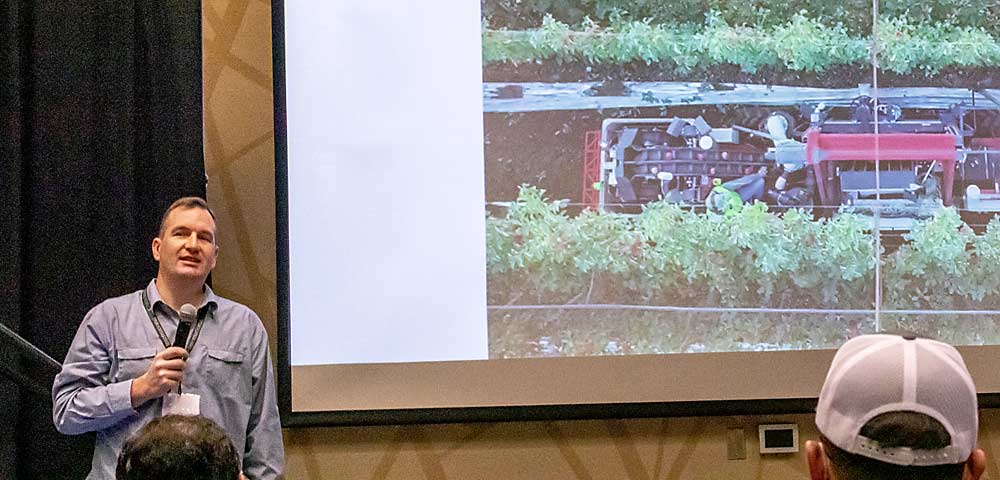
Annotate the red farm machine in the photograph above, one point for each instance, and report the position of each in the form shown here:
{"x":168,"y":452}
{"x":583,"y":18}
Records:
{"x":899,"y":155}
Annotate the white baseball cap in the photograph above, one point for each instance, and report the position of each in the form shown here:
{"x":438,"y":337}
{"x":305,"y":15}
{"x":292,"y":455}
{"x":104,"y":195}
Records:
{"x":875,"y":374}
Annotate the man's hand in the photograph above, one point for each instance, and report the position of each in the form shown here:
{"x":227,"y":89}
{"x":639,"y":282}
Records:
{"x":163,"y":375}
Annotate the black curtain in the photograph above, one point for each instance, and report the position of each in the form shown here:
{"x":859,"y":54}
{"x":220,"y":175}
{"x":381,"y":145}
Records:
{"x":102,"y":129}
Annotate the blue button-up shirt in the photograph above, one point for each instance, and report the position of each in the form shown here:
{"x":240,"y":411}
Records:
{"x":229,"y":367}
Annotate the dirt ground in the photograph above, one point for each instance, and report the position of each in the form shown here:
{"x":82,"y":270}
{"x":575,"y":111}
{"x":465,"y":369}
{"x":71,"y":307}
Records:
{"x":844,"y":76}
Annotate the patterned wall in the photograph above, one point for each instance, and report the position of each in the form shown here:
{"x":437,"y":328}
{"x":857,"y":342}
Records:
{"x":239,"y":149}
{"x":676,"y":448}
{"x":239,"y":157}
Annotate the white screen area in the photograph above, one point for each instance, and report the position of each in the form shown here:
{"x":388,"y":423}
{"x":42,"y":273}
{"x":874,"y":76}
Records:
{"x":385,"y":181}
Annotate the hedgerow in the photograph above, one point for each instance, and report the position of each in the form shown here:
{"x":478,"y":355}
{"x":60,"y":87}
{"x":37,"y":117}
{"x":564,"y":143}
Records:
{"x":801,"y":43}
{"x":668,"y":255}
{"x":856,"y":15}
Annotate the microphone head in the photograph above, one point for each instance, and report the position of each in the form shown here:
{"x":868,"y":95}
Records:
{"x":188,"y":313}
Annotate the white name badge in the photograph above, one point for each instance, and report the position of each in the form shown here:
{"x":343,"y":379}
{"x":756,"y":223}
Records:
{"x":184,"y":404}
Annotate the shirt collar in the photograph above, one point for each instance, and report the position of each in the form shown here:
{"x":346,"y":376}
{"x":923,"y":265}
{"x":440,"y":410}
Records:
{"x":155,"y":298}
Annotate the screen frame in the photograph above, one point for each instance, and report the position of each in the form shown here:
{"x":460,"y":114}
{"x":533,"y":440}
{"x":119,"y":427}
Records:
{"x":781,"y":402}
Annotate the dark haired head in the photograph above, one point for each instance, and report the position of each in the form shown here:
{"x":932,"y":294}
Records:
{"x":178,"y":446}
{"x":890,"y":430}
{"x":184,"y":203}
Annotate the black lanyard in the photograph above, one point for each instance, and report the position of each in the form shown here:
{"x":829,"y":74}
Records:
{"x":163,"y":335}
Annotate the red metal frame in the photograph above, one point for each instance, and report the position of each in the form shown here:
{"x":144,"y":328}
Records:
{"x":823,"y":149}
{"x":591,"y":168}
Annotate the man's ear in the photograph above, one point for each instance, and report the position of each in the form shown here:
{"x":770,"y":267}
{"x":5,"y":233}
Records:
{"x":156,"y":248}
{"x":214,"y":258}
{"x":975,"y":465}
{"x":816,"y":460}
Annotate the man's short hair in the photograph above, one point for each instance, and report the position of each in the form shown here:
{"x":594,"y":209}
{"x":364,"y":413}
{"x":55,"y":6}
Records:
{"x":185,"y":203}
{"x":898,"y":407}
{"x":179,"y":446}
{"x":895,"y":429}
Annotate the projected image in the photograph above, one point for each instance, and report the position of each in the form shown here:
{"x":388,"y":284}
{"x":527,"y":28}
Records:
{"x":942,"y":63}
{"x":666,"y":178}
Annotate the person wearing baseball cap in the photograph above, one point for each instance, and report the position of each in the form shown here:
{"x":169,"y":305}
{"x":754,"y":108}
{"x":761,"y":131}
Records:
{"x":896,"y":407}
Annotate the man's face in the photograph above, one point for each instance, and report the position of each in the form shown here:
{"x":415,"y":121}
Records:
{"x":186,"y":247}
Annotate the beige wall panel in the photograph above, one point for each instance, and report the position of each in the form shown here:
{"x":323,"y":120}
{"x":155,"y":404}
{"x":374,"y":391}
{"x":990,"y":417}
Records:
{"x":239,"y":150}
{"x":675,"y":448}
{"x":238,"y":125}
{"x":256,"y":27}
{"x":242,"y":236}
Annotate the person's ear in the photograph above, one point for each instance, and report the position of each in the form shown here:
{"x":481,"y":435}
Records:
{"x":975,"y":465}
{"x":156,"y":248}
{"x":816,"y":460}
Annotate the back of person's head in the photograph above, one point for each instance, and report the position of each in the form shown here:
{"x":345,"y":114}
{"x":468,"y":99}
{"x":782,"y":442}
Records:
{"x":897,"y":407}
{"x":896,"y":430}
{"x":179,"y":446}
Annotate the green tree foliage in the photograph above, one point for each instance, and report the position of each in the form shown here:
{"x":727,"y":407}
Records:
{"x":801,"y":43}
{"x":668,"y":255}
{"x":745,"y":259}
{"x":906,"y":47}
{"x":856,"y":15}
{"x":945,"y":266}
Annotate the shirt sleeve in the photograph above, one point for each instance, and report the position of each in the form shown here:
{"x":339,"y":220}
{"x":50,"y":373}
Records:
{"x":264,"y":455}
{"x":83,"y":400}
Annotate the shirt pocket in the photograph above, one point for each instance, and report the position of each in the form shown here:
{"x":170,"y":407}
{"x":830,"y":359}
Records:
{"x":226,"y":371}
{"x":133,"y":362}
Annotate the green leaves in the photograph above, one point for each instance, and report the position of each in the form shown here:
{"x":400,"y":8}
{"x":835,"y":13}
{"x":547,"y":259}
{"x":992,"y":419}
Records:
{"x":801,"y":43}
{"x":807,"y":44}
{"x":931,"y":269}
{"x":855,"y":14}
{"x":930,"y":47}
{"x":667,"y":255}
{"x":754,"y":258}
{"x":748,"y":47}
{"x":742,"y":259}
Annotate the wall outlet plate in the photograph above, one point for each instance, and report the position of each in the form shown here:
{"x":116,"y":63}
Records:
{"x":736,"y":448}
{"x":779,"y":438}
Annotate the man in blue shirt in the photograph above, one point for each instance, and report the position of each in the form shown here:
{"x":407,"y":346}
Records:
{"x":121,"y":365}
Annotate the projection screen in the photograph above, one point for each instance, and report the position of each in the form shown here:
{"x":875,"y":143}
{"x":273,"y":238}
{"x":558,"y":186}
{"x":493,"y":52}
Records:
{"x":493,"y":211}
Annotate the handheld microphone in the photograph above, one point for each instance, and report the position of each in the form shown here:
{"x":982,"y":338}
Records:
{"x":188,"y":316}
